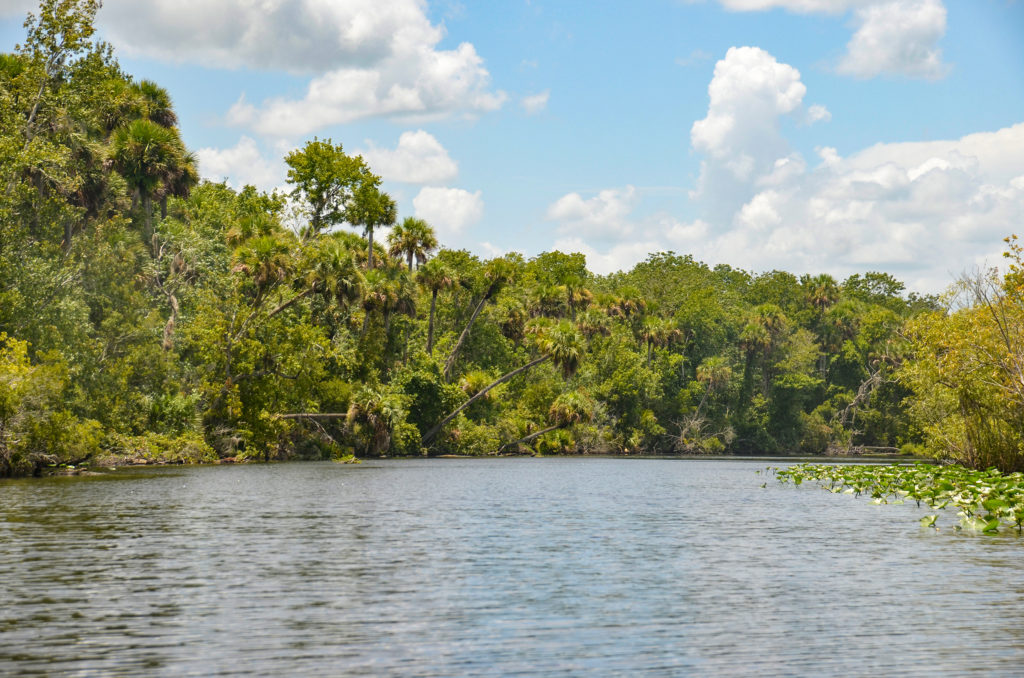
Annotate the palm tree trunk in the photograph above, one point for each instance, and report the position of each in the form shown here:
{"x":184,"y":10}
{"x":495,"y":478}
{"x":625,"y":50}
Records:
{"x":432,"y":433}
{"x":450,"y":363}
{"x":410,"y":262}
{"x":430,"y":326}
{"x":147,"y":223}
{"x":369,"y":231}
{"x":69,"y":227}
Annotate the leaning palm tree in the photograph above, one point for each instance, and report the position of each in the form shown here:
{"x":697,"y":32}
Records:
{"x":412,"y":239}
{"x":499,"y":272}
{"x":434,"y":276}
{"x":568,"y":409}
{"x":561,"y":344}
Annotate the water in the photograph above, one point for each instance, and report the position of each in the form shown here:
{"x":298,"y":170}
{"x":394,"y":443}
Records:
{"x":493,"y":567}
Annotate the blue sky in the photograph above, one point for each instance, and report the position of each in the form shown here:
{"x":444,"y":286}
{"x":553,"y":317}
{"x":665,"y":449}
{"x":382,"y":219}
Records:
{"x":807,"y":135}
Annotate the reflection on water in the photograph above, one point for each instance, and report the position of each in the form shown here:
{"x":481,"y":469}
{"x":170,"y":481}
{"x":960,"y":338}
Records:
{"x":504,"y":566}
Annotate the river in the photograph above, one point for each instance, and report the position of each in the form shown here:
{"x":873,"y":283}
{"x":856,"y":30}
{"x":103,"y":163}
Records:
{"x":563,"y":566}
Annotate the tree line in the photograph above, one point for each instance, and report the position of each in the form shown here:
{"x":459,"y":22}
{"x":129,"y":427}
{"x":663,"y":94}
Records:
{"x":148,"y":315}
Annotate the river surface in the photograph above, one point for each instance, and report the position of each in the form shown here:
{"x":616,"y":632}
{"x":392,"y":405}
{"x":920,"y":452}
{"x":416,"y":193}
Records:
{"x":532,"y":567}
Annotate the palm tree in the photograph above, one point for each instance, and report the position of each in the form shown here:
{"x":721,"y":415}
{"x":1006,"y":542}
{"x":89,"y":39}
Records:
{"x":156,"y":103}
{"x":715,"y":374}
{"x":821,"y":291}
{"x":266,"y":261}
{"x":329,"y":270}
{"x":145,"y":154}
{"x":372,"y":415}
{"x":434,"y":276}
{"x":370,"y":207}
{"x":561,"y":344}
{"x":402,"y":298}
{"x":377,"y":293}
{"x":181,"y":177}
{"x":413,"y":238}
{"x":568,"y":409}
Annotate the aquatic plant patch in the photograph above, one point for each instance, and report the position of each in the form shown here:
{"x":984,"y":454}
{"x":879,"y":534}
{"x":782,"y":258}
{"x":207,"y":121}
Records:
{"x":986,"y":501}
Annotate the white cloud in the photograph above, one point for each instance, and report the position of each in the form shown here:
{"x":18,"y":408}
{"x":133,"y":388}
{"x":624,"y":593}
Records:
{"x":424,"y":85}
{"x":368,"y":58}
{"x":492,"y":250}
{"x":535,"y":103}
{"x":605,"y":229}
{"x":893,"y":36}
{"x":620,"y":257}
{"x":298,"y":36}
{"x":901,"y":37}
{"x":449,"y":210}
{"x":923,"y":211}
{"x":600,"y":217}
{"x":419,"y":158}
{"x":740,"y":135}
{"x":243,"y":164}
{"x":818,"y":113}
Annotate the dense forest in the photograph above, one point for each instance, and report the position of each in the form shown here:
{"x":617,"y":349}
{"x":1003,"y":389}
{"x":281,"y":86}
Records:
{"x":146,"y":315}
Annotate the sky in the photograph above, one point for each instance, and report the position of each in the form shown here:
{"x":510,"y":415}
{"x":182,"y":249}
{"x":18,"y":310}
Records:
{"x":813,"y":136}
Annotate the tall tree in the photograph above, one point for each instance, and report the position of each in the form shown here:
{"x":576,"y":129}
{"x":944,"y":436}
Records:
{"x":324,"y":180}
{"x":412,"y":239}
{"x":435,"y":277}
{"x":370,"y":208}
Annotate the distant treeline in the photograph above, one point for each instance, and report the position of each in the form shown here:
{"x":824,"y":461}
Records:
{"x":145,"y":315}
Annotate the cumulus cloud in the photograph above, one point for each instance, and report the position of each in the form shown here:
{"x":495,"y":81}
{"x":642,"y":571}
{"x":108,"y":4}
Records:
{"x":426,"y":84}
{"x":419,"y":158}
{"x":901,"y":37}
{"x":619,"y":257}
{"x":740,"y":136}
{"x":606,"y":230}
{"x":818,"y":113}
{"x":298,"y":36}
{"x":924,"y":211}
{"x":242,"y":164}
{"x":449,"y":210}
{"x":893,"y":36}
{"x":535,"y":103}
{"x":368,"y":58}
{"x":600,"y":217}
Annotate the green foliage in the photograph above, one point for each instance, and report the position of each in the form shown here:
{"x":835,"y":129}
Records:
{"x":246,"y":325}
{"x":988,"y":500}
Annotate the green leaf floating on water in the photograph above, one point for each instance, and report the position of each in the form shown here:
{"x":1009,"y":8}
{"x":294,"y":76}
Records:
{"x":984,"y":500}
